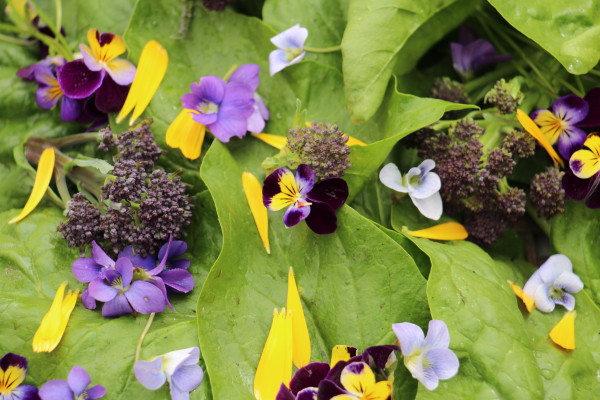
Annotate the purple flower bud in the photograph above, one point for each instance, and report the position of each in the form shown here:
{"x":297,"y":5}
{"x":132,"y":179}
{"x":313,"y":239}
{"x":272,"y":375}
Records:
{"x":449,"y":90}
{"x":547,"y":194}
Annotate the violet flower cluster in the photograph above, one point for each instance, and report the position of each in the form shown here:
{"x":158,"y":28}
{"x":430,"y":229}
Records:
{"x":140,"y":206}
{"x":132,"y":283}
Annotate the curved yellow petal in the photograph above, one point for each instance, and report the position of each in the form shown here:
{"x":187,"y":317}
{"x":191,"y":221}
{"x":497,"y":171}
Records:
{"x":40,"y":185}
{"x":380,"y":391}
{"x":341,"y":353}
{"x":275,"y":365}
{"x":55,"y":321}
{"x":352,"y":141}
{"x":92,"y":38}
{"x":301,"y":339}
{"x":535,"y":131}
{"x":186,"y":134}
{"x":10,"y":378}
{"x":563,"y":333}
{"x":151,"y":70}
{"x":272,"y":140}
{"x":445,"y":231}
{"x":253,"y":191}
{"x":550,"y":125}
{"x":518,"y":291}
{"x":357,"y":378}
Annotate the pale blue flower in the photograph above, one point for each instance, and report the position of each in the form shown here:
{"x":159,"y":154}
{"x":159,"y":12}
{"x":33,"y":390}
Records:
{"x":427,"y":358}
{"x":422,"y":185}
{"x":549,"y":285}
{"x":290,"y":48}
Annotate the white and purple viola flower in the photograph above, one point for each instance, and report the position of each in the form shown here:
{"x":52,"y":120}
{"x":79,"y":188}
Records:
{"x":552,"y":283}
{"x":427,"y":358}
{"x":180,"y":368}
{"x":290,"y":48}
{"x":421,"y":184}
{"x":75,"y":387}
{"x":471,"y":54}
{"x":305,"y":200}
{"x":13,"y":369}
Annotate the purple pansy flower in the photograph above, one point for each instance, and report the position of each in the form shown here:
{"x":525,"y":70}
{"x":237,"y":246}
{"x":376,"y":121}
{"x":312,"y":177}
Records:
{"x":247,"y":74}
{"x":13,"y":369}
{"x":180,"y":368}
{"x":75,"y":387}
{"x":290,"y":48}
{"x":305,"y":200}
{"x":122,"y":296}
{"x":582,"y":179}
{"x":471,"y":54}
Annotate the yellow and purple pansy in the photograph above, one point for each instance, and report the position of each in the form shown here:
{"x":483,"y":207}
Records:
{"x":581,"y":180}
{"x":305,"y":200}
{"x":13,"y":369}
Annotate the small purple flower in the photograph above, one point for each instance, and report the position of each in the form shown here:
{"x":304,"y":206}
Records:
{"x":427,"y":358}
{"x":290,"y":48}
{"x":122,"y":296}
{"x":180,"y":368}
{"x":305,"y":200}
{"x":86,"y":269}
{"x":13,"y":369}
{"x":582,"y":179}
{"x":75,"y":387}
{"x":470,"y":54}
{"x":247,"y":74}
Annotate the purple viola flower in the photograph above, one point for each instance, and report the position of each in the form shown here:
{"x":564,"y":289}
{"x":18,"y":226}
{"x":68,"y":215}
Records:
{"x":247,"y":74}
{"x":305,"y":200}
{"x":13,"y":369}
{"x":582,"y":179}
{"x":427,"y":358}
{"x":471,"y":54}
{"x":75,"y":387}
{"x":86,"y":269}
{"x":290,"y":48}
{"x":560,"y":122}
{"x":223,"y":107}
{"x":122,"y":296}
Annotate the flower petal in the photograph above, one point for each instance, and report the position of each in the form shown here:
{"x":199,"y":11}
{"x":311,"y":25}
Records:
{"x":535,"y":131}
{"x":246,"y":74}
{"x":431,"y":207}
{"x":179,"y":280}
{"x":70,"y":109}
{"x":13,"y":366}
{"x":380,"y":356}
{"x":95,"y":392}
{"x":85,"y":269}
{"x":380,"y":391}
{"x":186,"y":134}
{"x":78,"y":380}
{"x":586,"y":162}
{"x":110,"y":96}
{"x":88,"y":301}
{"x":305,"y":178}
{"x":125,"y":268}
{"x":332,"y":192}
{"x":341,"y":353}
{"x":150,"y":373}
{"x":284,"y":393}
{"x":121,"y":71}
{"x":137,"y":260}
{"x":272,"y":140}
{"x":100,"y":291}
{"x":293,"y":37}
{"x":563,"y":333}
{"x":277,"y":61}
{"x":77,"y":81}
{"x":357,"y":378}
{"x":301,"y":343}
{"x":542,"y":300}
{"x":391,"y":177}
{"x":187,"y":377}
{"x":294,"y":214}
{"x":567,"y":301}
{"x":593,"y":117}
{"x":329,"y":390}
{"x":47,"y":96}
{"x":577,"y":188}
{"x":426,"y":166}
{"x":54,"y":323}
{"x":569,"y":282}
{"x":553,"y":267}
{"x":253,"y":192}
{"x":55,"y":390}
{"x":145,"y":298}
{"x":528,"y":301}
{"x":430,"y":185}
{"x":445,"y":231}
{"x":443,"y":362}
{"x":116,"y":307}
{"x":100,"y":256}
{"x":438,"y":336}
{"x":322,"y":219}
{"x":570,"y":108}
{"x":308,"y":376}
{"x":570,"y":141}
{"x":410,"y":337}
{"x":237,"y":106}
{"x":40,"y":184}
{"x":279,"y":189}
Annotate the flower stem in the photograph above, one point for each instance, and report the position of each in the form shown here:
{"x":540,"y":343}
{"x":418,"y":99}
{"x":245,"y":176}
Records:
{"x":138,"y":348}
{"x":323,"y":50}
{"x":60,"y":39}
{"x":542,"y":223}
{"x":58,"y":5}
{"x":20,"y":42}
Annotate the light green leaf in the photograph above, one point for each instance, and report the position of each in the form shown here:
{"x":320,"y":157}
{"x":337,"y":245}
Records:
{"x":82,"y":161}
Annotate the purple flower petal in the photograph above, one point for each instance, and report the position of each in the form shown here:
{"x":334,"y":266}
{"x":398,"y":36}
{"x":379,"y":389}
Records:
{"x":444,"y":362}
{"x":100,"y":256}
{"x":192,"y":100}
{"x":256,"y":121}
{"x":305,"y":179}
{"x":567,"y":301}
{"x":378,"y":356}
{"x":277,"y":61}
{"x":569,"y":281}
{"x":205,"y":119}
{"x":25,"y":392}
{"x":308,"y":376}
{"x":593,"y":117}
{"x":111,"y":96}
{"x":88,"y":59}
{"x":593,"y":200}
{"x":100,"y":291}
{"x":211,"y":88}
{"x":542,"y":300}
{"x":426,"y":376}
{"x":47,"y":96}
{"x":187,"y":377}
{"x":145,"y":298}
{"x":125,"y":268}
{"x":553,"y":267}
{"x":96,"y":392}
{"x":293,"y":37}
{"x":70,"y":109}
{"x":137,"y":260}
{"x":160,"y":284}
{"x":459,"y":61}
{"x":577,"y":188}
{"x":13,"y":360}
{"x":44,"y":75}
{"x":149,"y":373}
{"x":27,"y":73}
{"x":177,"y":248}
{"x":438,"y":336}
{"x":284,"y":393}
{"x":78,"y":380}
{"x":322,"y":219}
{"x":121,"y":71}
{"x":410,"y":337}
{"x":88,"y":301}
{"x":237,"y":106}
{"x":570,"y":108}
{"x":271,"y":185}
{"x":430,"y":185}
{"x":178,"y":279}
{"x":77,"y":81}
{"x":307,"y":394}
{"x":293,"y":215}
{"x":332,"y":192}
{"x":569,"y":141}
{"x":86,"y":269}
{"x":246,"y":74}
{"x":328,"y":389}
{"x":116,"y":307}
{"x":55,"y":390}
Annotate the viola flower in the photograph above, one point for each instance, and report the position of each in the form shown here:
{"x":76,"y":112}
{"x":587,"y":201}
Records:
{"x":427,"y":358}
{"x":13,"y":369}
{"x":122,"y":296}
{"x":180,"y":368}
{"x":552,"y":283}
{"x":422,"y":185}
{"x":358,"y":382}
{"x":75,"y":387}
{"x":581,"y":180}
{"x":559,"y":123}
{"x":55,"y":321}
{"x":471,"y":54}
{"x":315,"y":203}
{"x":86,"y":269}
{"x":247,"y":74}
{"x":49,"y":92}
{"x":290,"y":48}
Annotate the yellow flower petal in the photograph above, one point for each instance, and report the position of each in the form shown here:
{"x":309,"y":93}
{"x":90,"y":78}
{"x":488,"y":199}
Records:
{"x":563,"y":333}
{"x":151,"y":70}
{"x":358,"y":383}
{"x":528,"y":301}
{"x":585,"y":163}
{"x":341,"y":353}
{"x":40,"y":185}
{"x":380,"y":391}
{"x":354,"y":141}
{"x":186,"y":134}
{"x":253,"y":191}
{"x":108,"y":51}
{"x":272,"y":140}
{"x":275,"y":365}
{"x":55,"y":321}
{"x":445,"y":231}
{"x":10,"y":379}
{"x":289,"y":192}
{"x":535,"y":131}
{"x":550,"y":125}
{"x":301,"y":340}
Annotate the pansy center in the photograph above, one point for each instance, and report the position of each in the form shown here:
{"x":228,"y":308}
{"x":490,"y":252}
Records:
{"x":82,"y":396}
{"x":291,"y":53}
{"x":118,"y":284}
{"x":208,"y":107}
{"x":412,"y":181}
{"x":555,"y":293}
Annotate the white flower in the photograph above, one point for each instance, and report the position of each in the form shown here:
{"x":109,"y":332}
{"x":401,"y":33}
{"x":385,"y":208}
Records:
{"x":290,"y":48}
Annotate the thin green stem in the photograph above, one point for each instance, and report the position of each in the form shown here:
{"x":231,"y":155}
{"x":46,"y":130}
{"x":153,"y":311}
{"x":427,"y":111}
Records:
{"x":579,"y":84}
{"x":595,"y":72}
{"x":10,"y":28}
{"x":138,"y":348}
{"x":544,"y":224}
{"x":323,"y":50}
{"x":20,"y":42}
{"x":62,"y":43}
{"x":61,"y":184}
{"x":58,"y":4}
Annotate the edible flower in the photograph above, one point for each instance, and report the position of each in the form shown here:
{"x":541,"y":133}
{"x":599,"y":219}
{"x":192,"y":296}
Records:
{"x":152,"y":67}
{"x":536,"y":132}
{"x":40,"y":185}
{"x":563,"y":333}
{"x":253,"y":192}
{"x":55,"y":321}
{"x":290,"y":48}
{"x":358,"y":381}
{"x":445,"y":231}
{"x":49,"y":92}
{"x":180,"y":368}
{"x":301,"y":340}
{"x":13,"y":369}
{"x":470,"y":54}
{"x":427,"y":358}
{"x":552,"y":283}
{"x":305,"y":200}
{"x":422,"y":185}
{"x":186,"y":134}
{"x":75,"y":387}
{"x":559,"y":123}
{"x":581,"y":180}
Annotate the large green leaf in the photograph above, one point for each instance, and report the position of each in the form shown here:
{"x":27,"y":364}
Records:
{"x":354,"y":283}
{"x":569,"y":30}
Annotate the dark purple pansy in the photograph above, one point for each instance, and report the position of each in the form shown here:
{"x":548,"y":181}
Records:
{"x":13,"y":369}
{"x":582,"y":189}
{"x":75,"y":387}
{"x":471,"y":54}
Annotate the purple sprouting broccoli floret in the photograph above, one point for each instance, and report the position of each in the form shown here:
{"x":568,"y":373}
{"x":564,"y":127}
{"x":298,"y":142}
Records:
{"x":547,"y":194}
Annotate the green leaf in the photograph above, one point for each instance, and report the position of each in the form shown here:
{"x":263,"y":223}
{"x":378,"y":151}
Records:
{"x":569,"y":30}
{"x":374,"y":44}
{"x":353,"y":283}
{"x":82,"y":161}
